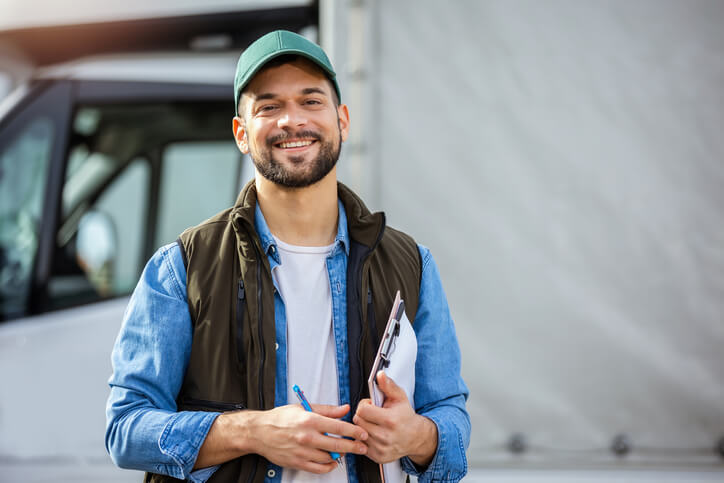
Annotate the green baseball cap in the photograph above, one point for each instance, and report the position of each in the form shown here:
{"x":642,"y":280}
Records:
{"x":274,"y":44}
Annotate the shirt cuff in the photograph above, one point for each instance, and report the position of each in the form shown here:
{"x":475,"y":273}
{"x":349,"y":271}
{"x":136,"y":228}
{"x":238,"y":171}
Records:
{"x":449,"y":463}
{"x":200,"y":476}
{"x":181,"y":441}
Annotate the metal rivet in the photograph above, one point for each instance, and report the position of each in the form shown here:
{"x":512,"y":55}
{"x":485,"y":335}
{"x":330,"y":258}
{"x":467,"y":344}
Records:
{"x":517,"y":443}
{"x":271,"y":473}
{"x":276,"y":346}
{"x":621,"y":445}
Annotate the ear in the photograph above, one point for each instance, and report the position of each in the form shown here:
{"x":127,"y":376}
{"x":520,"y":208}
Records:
{"x":343,"y":116}
{"x":239,"y":129}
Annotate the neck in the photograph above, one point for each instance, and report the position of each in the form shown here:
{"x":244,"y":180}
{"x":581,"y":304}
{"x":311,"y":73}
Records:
{"x":300,"y":216}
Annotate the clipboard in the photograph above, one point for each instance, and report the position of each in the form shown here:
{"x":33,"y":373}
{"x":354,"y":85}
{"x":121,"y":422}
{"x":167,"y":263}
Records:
{"x":396,"y":355}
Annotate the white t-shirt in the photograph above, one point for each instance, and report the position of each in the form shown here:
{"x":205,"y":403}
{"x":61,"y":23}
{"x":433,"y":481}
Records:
{"x":303,"y":283}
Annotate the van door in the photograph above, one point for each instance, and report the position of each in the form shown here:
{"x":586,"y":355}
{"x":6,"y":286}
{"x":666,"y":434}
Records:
{"x":127,"y":166}
{"x":33,"y":141}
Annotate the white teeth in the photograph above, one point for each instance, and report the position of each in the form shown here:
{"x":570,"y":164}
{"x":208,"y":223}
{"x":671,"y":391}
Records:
{"x":295,"y":144}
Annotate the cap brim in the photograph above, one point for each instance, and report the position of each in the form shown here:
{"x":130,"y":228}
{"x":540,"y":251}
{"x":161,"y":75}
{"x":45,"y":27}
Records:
{"x":264,"y":60}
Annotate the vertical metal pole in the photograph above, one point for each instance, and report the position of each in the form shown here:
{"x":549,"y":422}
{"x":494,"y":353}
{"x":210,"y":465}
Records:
{"x":327,"y":28}
{"x":344,"y":27}
{"x":356,"y":73}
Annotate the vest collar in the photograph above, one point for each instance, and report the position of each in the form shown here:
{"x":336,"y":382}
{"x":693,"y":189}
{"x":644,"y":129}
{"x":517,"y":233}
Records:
{"x":364,"y":227}
{"x":268,"y":244}
{"x":245,"y":204}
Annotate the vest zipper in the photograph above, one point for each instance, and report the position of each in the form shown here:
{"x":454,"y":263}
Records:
{"x":261,"y":338}
{"x":371,"y":320}
{"x":363,"y":377}
{"x":359,"y":354}
{"x":261,"y":328}
{"x":240,"y":297}
{"x":262,"y":351}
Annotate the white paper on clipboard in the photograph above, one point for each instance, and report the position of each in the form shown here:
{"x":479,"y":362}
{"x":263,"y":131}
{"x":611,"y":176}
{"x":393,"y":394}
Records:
{"x":401,"y":355}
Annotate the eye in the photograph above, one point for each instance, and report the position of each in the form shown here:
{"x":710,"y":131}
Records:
{"x":267,"y":108}
{"x":313,"y":102}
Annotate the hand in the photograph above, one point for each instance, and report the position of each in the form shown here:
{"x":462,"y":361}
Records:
{"x":395,"y":430}
{"x":291,"y":437}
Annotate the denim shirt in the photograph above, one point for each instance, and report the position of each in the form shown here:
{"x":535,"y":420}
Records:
{"x":144,"y":429}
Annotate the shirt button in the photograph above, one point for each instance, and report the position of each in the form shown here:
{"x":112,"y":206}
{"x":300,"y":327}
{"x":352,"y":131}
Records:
{"x":271,"y":473}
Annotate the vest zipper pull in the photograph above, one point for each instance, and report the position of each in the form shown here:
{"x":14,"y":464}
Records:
{"x":369,"y":295}
{"x":241,"y":293}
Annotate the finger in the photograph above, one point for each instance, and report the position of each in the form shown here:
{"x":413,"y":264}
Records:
{"x":371,"y":413}
{"x":340,"y":428}
{"x":334,"y":412}
{"x":318,"y":468}
{"x":307,"y":455}
{"x":391,"y":390}
{"x":338,"y":445}
{"x":375,"y":431}
{"x":316,"y":455}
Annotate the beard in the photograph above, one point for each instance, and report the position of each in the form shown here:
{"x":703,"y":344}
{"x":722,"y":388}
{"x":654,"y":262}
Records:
{"x":316,"y":169}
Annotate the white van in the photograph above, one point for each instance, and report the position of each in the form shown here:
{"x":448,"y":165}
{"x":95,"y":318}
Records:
{"x":103,"y":158}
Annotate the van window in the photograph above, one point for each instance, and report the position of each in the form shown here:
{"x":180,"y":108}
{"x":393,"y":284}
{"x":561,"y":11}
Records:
{"x":23,"y":167}
{"x":137,"y":175}
{"x":198,"y":180}
{"x":100,"y":243}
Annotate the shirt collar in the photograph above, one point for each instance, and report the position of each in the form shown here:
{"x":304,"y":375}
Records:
{"x":269,"y":245}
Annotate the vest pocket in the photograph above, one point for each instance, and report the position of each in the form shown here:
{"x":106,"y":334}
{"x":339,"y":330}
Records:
{"x":205,"y":405}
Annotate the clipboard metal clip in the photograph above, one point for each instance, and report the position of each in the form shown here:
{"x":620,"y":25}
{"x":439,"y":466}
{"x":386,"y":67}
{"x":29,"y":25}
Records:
{"x":392,"y":332}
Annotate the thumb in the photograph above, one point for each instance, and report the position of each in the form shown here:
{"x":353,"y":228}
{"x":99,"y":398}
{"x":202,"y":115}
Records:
{"x":392,"y":391}
{"x":334,"y":412}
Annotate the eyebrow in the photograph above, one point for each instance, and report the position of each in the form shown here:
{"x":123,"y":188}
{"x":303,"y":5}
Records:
{"x":313,"y":90}
{"x":265,"y":96}
{"x":306,"y":91}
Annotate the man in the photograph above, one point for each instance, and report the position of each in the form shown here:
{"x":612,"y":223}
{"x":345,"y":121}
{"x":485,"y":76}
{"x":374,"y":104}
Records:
{"x":291,"y":286}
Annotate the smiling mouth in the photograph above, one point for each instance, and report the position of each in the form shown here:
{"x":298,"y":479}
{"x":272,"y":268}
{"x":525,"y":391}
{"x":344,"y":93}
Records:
{"x":302,"y":143}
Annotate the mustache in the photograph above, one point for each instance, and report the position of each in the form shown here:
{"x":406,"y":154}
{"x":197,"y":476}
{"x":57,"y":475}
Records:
{"x":280,"y":138}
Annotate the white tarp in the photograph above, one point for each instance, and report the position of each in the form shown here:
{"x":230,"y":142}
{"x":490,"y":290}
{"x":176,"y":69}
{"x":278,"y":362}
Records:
{"x":563,"y":161}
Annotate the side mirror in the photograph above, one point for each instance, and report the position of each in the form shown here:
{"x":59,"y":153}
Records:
{"x":97,"y":248}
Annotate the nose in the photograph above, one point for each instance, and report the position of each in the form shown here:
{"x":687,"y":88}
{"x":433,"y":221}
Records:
{"x":292,"y":116}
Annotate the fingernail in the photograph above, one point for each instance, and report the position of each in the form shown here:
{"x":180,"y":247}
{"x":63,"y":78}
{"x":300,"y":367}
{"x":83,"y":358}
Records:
{"x":363,"y":437}
{"x":363,"y":449}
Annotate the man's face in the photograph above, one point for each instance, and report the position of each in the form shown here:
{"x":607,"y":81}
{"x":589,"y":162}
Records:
{"x":290,"y":124}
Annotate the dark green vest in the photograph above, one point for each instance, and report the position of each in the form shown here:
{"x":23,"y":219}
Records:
{"x":231,"y":300}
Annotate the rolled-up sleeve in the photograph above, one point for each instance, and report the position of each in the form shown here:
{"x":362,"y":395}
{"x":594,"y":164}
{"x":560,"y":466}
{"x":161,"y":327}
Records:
{"x":440,"y":392}
{"x":144,"y":431}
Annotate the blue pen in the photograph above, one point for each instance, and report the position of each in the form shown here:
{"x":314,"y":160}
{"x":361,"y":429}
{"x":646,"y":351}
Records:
{"x":300,"y":394}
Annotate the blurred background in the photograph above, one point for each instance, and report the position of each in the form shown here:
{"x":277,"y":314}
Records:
{"x":563,"y":160}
